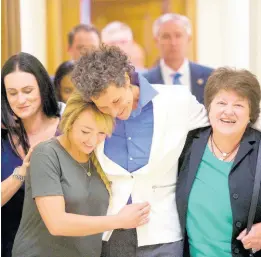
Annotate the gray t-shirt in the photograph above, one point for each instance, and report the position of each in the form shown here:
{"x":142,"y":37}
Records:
{"x":54,"y":172}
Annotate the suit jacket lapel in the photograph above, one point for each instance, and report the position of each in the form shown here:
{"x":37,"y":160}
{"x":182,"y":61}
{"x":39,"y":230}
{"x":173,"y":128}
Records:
{"x":159,"y":125}
{"x":197,"y":88}
{"x":158,"y":75}
{"x":109,"y":167}
{"x":246,"y":145}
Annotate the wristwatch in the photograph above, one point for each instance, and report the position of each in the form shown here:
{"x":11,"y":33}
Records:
{"x":17,"y":175}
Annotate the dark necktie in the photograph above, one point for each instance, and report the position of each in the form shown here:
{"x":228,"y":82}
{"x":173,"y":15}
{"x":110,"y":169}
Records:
{"x":176,"y":79}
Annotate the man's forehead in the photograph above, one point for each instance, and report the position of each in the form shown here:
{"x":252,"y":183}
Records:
{"x":83,"y":36}
{"x":177,"y":25}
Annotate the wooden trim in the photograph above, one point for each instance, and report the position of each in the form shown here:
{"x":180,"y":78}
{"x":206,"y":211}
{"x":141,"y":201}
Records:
{"x":54,"y":37}
{"x":178,"y":6}
{"x":191,"y":13}
{"x":61,"y":17}
{"x":10,"y":29}
{"x":166,"y":6}
{"x":71,"y":16}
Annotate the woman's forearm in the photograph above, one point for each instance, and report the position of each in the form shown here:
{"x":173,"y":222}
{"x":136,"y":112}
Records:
{"x":69,"y":224}
{"x":8,"y":188}
{"x":60,"y":223}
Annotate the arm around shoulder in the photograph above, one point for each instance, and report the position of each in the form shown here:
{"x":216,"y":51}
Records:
{"x":198,"y":116}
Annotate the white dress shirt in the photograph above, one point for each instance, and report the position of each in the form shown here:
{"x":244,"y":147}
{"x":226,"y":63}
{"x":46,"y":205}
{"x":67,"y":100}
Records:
{"x":168,"y":73}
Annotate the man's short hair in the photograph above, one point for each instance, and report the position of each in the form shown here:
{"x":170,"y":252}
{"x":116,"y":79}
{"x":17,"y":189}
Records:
{"x":82,"y":27}
{"x":171,"y":17}
{"x":116,"y":30}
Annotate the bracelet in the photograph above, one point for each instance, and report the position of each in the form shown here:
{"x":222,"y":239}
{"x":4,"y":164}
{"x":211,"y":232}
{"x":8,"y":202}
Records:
{"x":17,"y":176}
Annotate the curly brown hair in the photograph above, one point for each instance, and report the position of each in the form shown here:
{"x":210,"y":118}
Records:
{"x":97,"y":69}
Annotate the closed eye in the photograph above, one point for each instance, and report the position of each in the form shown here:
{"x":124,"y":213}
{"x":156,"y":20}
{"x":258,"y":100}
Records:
{"x":12,"y":93}
{"x":28,"y":91}
{"x":116,"y":101}
{"x":85,"y":132}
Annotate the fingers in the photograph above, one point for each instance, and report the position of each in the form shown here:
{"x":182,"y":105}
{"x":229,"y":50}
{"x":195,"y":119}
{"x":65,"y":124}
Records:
{"x":28,"y":155}
{"x":247,"y":245}
{"x":251,"y":240}
{"x":143,"y":221}
{"x":142,"y":205}
{"x":145,"y":211}
{"x":245,"y":239}
{"x":242,"y":235}
{"x":26,"y":160}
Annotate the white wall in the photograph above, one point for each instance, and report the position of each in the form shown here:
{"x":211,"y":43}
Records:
{"x":255,"y":37}
{"x":223,"y":29}
{"x":229,"y":33}
{"x":33,"y":28}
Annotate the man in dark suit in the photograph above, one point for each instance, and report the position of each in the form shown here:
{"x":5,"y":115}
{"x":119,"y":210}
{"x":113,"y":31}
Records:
{"x":172,"y":33}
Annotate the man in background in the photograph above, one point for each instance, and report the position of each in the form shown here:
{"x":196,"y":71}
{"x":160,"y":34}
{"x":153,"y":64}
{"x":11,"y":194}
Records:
{"x":172,"y":33}
{"x":120,"y":34}
{"x":81,"y":37}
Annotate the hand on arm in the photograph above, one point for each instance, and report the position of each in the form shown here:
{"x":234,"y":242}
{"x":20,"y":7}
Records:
{"x":45,"y":175}
{"x":12,"y":184}
{"x":60,"y":223}
{"x":252,"y":240}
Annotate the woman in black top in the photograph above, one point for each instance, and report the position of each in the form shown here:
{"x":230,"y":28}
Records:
{"x":217,"y":170}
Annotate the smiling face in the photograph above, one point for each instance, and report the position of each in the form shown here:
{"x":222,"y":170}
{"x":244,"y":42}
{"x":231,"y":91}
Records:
{"x":229,"y":113}
{"x":116,"y":101}
{"x":86,"y":132}
{"x":23,"y":94}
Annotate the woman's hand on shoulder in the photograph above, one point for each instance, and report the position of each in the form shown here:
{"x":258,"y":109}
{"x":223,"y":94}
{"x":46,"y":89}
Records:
{"x":134,"y":215}
{"x":252,"y":240}
{"x":26,"y":163}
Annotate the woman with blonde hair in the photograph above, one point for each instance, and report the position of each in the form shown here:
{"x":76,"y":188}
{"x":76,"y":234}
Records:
{"x":67,"y":193}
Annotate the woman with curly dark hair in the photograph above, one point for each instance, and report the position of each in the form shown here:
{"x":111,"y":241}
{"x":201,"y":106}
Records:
{"x":140,"y":158}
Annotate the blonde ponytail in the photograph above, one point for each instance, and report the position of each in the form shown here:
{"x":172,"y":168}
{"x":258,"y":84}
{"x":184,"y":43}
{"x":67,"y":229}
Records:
{"x":100,"y":171}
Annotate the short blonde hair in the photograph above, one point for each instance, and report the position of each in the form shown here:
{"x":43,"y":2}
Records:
{"x":74,"y":107}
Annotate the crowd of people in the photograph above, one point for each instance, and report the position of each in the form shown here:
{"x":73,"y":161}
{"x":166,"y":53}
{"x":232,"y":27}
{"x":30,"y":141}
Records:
{"x":111,"y":159}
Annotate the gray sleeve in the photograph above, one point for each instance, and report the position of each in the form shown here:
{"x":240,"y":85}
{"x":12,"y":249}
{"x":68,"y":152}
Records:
{"x":45,"y":174}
